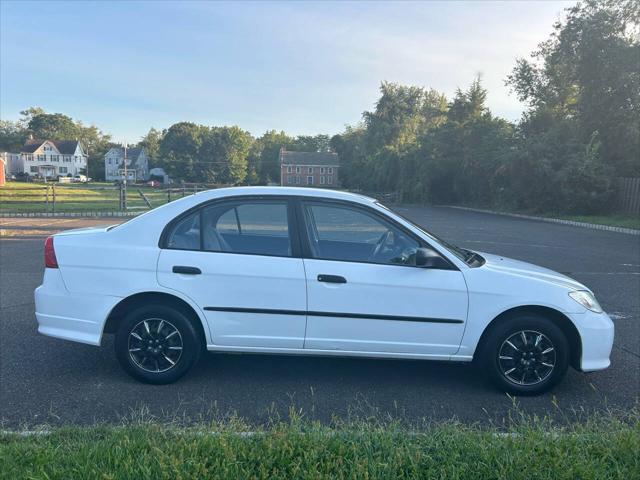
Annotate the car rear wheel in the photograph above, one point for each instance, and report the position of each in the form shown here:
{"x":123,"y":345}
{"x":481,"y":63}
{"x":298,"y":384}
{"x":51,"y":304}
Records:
{"x":157,"y":344}
{"x":526,"y":355}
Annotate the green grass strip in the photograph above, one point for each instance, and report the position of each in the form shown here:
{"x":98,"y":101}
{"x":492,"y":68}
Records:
{"x":604,"y":449}
{"x":625,"y":221}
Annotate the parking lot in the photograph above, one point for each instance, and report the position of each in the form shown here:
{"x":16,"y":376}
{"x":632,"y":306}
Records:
{"x":48,"y":381}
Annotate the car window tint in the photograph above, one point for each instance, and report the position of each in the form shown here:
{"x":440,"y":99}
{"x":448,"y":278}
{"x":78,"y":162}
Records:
{"x":348,"y":234}
{"x":228,"y":222}
{"x":259,"y":228}
{"x":186,"y":233}
{"x":264,"y":219}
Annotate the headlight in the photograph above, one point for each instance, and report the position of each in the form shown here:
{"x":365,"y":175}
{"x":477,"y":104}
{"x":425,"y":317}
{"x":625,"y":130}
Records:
{"x":587,"y":300}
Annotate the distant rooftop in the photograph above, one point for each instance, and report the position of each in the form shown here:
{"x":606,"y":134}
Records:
{"x":65,"y":147}
{"x":131,"y":152}
{"x":309,"y":158}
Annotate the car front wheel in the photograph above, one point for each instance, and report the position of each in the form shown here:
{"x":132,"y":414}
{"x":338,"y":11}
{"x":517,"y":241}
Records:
{"x":525,"y":355}
{"x":157,"y":344}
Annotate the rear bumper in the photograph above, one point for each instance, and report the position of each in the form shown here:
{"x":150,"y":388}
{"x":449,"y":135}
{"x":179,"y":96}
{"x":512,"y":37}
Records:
{"x":596,"y":333}
{"x":75,"y":317}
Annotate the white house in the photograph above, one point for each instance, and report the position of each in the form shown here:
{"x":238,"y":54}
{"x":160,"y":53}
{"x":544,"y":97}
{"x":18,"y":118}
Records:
{"x":12,"y":163}
{"x":137,"y":164}
{"x":50,"y":158}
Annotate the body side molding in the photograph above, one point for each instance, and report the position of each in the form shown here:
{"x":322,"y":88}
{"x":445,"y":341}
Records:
{"x":368,"y":316}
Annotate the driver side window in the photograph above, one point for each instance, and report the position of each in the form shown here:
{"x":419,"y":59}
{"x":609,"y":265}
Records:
{"x":349,"y":234}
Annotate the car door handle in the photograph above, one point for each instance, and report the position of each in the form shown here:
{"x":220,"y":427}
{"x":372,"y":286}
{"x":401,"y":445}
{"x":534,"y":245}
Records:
{"x":186,"y":270}
{"x":331,"y":278}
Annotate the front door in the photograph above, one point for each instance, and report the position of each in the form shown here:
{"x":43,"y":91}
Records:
{"x":48,"y":171}
{"x":236,"y":260}
{"x":364,"y":295}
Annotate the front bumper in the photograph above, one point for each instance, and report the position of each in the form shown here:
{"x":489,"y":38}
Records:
{"x":596,"y":334}
{"x":69,"y":316}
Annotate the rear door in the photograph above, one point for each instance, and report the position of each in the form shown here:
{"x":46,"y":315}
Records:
{"x":239,"y":261}
{"x":365,"y":295}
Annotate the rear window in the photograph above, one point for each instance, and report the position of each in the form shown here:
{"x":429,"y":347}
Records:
{"x":252,"y":227}
{"x":186,"y":233}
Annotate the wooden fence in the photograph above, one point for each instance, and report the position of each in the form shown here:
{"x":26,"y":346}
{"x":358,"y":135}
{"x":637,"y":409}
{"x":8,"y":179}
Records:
{"x":18,"y":197}
{"x":629,"y":195}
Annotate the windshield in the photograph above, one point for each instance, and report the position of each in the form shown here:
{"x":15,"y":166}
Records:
{"x":463,"y":254}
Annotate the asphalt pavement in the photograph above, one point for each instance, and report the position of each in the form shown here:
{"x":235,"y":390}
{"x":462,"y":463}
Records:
{"x":44,"y":381}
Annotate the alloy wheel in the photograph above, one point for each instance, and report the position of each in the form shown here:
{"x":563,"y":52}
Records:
{"x":527,"y":357}
{"x":155,"y":345}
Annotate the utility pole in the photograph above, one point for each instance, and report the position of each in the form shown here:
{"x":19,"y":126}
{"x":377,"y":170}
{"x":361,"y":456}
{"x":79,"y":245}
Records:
{"x":123,"y":185}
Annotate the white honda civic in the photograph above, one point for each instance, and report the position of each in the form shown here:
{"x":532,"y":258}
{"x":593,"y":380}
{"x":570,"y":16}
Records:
{"x":311,"y":272}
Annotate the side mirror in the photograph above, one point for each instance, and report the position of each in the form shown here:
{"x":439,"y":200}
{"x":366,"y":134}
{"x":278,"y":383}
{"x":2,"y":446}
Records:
{"x":428,"y":258}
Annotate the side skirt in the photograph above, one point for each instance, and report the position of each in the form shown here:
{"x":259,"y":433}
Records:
{"x":336,"y":353}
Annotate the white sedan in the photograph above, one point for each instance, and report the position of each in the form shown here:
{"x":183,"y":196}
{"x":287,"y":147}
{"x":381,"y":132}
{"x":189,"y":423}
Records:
{"x":311,"y":272}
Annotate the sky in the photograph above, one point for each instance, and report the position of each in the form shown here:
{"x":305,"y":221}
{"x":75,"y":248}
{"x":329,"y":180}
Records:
{"x":302,"y":67}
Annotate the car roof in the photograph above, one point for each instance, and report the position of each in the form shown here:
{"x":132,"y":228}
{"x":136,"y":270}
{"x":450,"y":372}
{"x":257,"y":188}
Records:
{"x":290,"y":191}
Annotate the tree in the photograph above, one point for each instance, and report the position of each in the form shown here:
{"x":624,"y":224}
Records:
{"x":310,"y":143}
{"x":179,"y":149}
{"x":12,"y":136}
{"x":151,"y":144}
{"x":53,"y":126}
{"x":196,"y":153}
{"x":588,"y":72}
{"x":469,"y":105}
{"x":267,"y":154}
{"x":39,"y":125}
{"x":224,"y":154}
{"x":351,"y":150}
{"x":29,"y":113}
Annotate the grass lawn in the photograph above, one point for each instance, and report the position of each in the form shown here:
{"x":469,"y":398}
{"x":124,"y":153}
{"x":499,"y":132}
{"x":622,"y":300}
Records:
{"x":626,"y":221}
{"x":75,"y":197}
{"x":613,"y":220}
{"x":603,"y":449}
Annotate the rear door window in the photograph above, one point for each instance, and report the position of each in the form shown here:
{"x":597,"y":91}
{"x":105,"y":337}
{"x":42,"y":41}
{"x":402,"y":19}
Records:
{"x":251,"y":227}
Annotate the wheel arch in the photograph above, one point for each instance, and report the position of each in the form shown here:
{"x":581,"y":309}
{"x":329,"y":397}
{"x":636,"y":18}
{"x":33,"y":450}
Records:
{"x":560,"y":319}
{"x":159,"y":298}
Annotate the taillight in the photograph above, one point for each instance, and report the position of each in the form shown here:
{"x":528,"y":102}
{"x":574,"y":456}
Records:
{"x":50,"y":260}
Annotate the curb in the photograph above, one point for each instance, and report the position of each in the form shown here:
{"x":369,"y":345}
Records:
{"x":592,"y":226}
{"x":70,"y":215}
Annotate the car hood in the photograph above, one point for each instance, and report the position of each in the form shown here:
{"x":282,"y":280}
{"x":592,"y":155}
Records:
{"x":523,"y":269}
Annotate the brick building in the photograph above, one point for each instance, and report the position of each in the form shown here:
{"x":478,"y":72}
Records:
{"x":318,"y":169}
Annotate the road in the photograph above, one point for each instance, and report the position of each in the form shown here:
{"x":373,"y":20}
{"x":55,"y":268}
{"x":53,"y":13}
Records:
{"x":48,"y":381}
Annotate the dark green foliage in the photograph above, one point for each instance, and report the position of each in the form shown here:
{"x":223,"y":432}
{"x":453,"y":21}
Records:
{"x":151,"y":144}
{"x":12,"y":136}
{"x":196,"y":153}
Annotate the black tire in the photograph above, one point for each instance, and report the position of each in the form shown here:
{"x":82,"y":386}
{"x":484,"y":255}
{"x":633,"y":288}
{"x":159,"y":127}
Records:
{"x":157,"y":359}
{"x":531,"y":374}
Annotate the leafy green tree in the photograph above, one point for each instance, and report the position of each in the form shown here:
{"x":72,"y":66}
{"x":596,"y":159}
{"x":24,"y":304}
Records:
{"x":12,"y":136}
{"x":151,"y":144}
{"x":267,"y":154}
{"x":310,"y":143}
{"x":350,"y":147}
{"x":53,"y":126}
{"x":196,"y":153}
{"x":224,"y":153}
{"x":179,"y":149}
{"x":29,"y":113}
{"x":588,"y":72}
